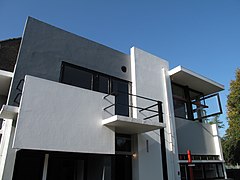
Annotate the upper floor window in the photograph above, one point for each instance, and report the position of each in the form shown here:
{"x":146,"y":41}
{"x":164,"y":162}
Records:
{"x":76,"y":77}
{"x":92,"y":80}
{"x":193,"y":105}
{"x":180,"y":101}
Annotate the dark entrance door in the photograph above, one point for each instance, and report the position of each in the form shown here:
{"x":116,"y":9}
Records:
{"x":123,"y":167}
{"x":123,"y":157}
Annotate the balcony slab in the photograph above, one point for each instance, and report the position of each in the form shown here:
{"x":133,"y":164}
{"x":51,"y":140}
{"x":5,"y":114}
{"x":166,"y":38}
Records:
{"x":128,"y":125}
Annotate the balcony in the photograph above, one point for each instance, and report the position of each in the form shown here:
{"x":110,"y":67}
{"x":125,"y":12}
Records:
{"x":195,"y":97}
{"x":58,"y":117}
{"x":120,"y":115}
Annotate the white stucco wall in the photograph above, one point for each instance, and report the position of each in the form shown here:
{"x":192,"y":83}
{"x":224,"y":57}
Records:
{"x":55,"y":116}
{"x":148,"y":80}
{"x":195,"y":136}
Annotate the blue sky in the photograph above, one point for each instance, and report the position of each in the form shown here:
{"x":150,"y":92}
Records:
{"x":201,"y":35}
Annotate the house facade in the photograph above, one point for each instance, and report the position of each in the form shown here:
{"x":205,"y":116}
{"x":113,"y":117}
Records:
{"x":74,"y":109}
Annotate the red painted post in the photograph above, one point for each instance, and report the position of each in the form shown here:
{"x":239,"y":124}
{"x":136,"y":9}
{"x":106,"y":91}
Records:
{"x":189,"y":156}
{"x":189,"y":163}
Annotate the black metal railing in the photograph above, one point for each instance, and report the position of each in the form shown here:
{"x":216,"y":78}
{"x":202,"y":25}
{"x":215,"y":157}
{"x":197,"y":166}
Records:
{"x":154,"y":110}
{"x":205,"y":109}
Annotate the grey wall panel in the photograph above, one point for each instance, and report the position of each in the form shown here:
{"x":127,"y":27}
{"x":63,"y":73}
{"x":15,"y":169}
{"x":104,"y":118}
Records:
{"x":44,"y":47}
{"x":59,"y":117}
{"x":194,"y":136}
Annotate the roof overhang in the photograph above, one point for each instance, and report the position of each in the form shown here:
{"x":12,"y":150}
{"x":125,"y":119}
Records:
{"x":185,"y":77}
{"x":5,"y":81}
{"x":128,"y":125}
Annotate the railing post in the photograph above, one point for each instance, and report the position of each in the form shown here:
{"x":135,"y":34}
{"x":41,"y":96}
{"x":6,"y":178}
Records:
{"x":163,"y":145}
{"x":160,"y":114}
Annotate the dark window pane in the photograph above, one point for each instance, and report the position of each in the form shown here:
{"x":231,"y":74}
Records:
{"x":63,"y":168}
{"x":220,"y":170}
{"x":198,"y":171}
{"x":101,"y":83}
{"x":76,"y":77}
{"x":180,"y":101}
{"x":123,"y":142}
{"x":180,"y":108}
{"x":120,"y":89}
{"x":28,"y":166}
{"x":178,"y":91}
{"x":1,"y":122}
{"x":183,"y":170}
{"x":211,"y":171}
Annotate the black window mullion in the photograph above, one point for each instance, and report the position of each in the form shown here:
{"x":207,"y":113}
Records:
{"x":188,"y":103}
{"x":204,"y":171}
{"x":95,"y":82}
{"x":92,"y":81}
{"x":217,"y":170}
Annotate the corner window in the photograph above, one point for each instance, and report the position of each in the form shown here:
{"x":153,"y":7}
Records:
{"x":193,"y":105}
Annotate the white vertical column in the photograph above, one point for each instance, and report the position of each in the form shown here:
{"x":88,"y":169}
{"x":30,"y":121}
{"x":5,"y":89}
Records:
{"x":217,"y":141}
{"x":135,"y":161}
{"x":7,"y":153}
{"x":134,"y":83}
{"x":170,"y":130}
{"x":45,"y":167}
{"x":218,"y":146}
{"x":147,"y":81}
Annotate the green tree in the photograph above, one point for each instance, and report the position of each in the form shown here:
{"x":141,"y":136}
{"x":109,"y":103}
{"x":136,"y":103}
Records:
{"x":231,"y":141}
{"x":216,"y":120}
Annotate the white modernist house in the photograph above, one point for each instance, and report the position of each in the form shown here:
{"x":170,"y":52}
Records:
{"x":74,"y":109}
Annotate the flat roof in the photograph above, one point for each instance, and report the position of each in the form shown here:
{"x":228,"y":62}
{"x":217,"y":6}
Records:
{"x":128,"y":125}
{"x":5,"y":81}
{"x":185,"y":77}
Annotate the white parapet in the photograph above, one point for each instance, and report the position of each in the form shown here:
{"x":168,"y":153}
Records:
{"x":59,"y":117}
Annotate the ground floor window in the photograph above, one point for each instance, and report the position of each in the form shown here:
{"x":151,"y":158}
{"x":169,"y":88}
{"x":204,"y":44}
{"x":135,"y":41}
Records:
{"x":28,"y":165}
{"x":49,"y":165}
{"x":63,"y":168}
{"x":202,"y":171}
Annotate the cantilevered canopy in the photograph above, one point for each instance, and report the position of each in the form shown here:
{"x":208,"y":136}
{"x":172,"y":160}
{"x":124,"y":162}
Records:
{"x":185,"y":77}
{"x":128,"y":125}
{"x":5,"y":80}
